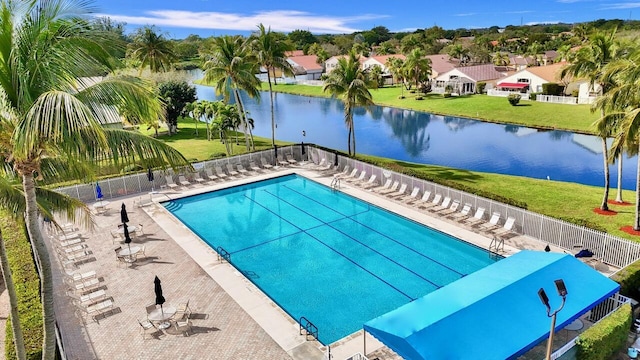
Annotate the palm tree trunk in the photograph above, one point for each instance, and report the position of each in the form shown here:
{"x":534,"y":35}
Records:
{"x":619,"y":195}
{"x":242,"y":115}
{"x":636,"y":223}
{"x":275,"y":79}
{"x":18,"y":338}
{"x":353,"y":134}
{"x":273,"y":115}
{"x":44,"y":266}
{"x":605,"y":155}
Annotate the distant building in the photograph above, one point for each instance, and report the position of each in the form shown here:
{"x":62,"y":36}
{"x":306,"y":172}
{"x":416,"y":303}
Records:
{"x":305,"y":67}
{"x":531,"y":79}
{"x":463,"y":80}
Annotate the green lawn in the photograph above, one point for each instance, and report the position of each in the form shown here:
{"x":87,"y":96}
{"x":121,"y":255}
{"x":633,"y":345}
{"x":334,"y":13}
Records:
{"x":576,"y":118}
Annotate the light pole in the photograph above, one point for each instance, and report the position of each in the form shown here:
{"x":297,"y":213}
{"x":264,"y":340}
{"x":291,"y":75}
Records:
{"x":562,"y":291}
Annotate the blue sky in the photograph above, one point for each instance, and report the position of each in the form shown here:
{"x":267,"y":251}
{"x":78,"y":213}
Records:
{"x":214,"y":17}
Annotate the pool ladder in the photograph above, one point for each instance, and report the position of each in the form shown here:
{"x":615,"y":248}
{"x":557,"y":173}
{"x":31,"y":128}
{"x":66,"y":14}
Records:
{"x":308,"y":327}
{"x":497,"y":244}
{"x":223,"y":254}
{"x":335,"y":183}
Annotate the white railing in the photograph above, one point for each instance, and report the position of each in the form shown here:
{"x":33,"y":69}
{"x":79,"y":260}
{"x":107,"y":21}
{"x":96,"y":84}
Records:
{"x":503,"y":93}
{"x":570,"y":100}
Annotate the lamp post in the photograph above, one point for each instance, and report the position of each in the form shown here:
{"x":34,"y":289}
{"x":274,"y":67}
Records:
{"x":562,"y":291}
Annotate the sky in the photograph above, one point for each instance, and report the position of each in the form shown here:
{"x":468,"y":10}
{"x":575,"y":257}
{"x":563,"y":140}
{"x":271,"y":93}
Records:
{"x":178,"y":19}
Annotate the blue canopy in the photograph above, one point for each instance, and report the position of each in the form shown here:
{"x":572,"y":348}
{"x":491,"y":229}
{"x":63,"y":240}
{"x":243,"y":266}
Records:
{"x":494,"y":313}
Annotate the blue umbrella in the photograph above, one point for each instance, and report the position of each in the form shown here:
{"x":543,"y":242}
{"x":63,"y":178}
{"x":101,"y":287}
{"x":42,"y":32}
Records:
{"x":98,"y":191}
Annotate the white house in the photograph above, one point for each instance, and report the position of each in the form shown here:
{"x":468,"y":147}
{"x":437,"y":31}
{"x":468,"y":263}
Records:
{"x":531,"y":78}
{"x":463,"y":80}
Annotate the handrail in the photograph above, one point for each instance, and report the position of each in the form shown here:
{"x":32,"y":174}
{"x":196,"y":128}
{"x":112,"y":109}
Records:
{"x":223,"y":254}
{"x":308,"y":327}
{"x":497,"y":243}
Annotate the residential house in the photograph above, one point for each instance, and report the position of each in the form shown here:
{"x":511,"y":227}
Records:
{"x":332,"y":62}
{"x":305,"y":67}
{"x":531,"y":78}
{"x":441,"y":63}
{"x":463,"y":80}
{"x":381,"y":61}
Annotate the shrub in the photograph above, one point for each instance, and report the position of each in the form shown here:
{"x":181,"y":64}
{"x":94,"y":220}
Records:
{"x":629,"y":280}
{"x":552,"y":89}
{"x":419,"y":98}
{"x":448,"y":89}
{"x":604,"y":339}
{"x":480,"y":87}
{"x":532,"y":96}
{"x":575,"y":92}
{"x":514,"y":99}
{"x":446,"y":95}
{"x":217,"y":155}
{"x":401,"y":97}
{"x":27,"y":287}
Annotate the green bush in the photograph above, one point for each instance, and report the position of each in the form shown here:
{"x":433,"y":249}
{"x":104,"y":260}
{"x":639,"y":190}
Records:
{"x":629,"y":280}
{"x":419,"y":98}
{"x":575,"y":92}
{"x":514,"y":99}
{"x":27,"y":284}
{"x":532,"y":96}
{"x":552,"y":89}
{"x":480,"y":87}
{"x":446,"y":95}
{"x":401,"y":97}
{"x":604,"y":339}
{"x":217,"y":155}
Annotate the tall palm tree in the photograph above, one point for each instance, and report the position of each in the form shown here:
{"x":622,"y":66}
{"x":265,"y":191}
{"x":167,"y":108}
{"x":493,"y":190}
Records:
{"x":152,"y":49}
{"x":55,"y":113}
{"x":269,"y":50}
{"x":589,"y":62}
{"x":500,"y":58}
{"x":418,"y":67}
{"x":350,"y":82}
{"x":232,"y":68}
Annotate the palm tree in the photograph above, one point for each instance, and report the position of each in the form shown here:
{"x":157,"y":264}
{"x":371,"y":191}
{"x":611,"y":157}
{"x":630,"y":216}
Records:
{"x":232,"y":68}
{"x":269,"y":50}
{"x":350,"y":82}
{"x":589,"y":62}
{"x":52,"y":112}
{"x":500,"y":59}
{"x":152,"y":49}
{"x":417,"y":66}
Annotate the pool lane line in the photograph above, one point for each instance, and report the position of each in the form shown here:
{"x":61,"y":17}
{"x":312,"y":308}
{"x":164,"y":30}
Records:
{"x":361,"y":243}
{"x":319,"y":203}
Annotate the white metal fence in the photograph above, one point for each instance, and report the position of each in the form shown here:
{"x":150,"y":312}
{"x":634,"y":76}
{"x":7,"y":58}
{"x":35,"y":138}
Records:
{"x":610,"y":249}
{"x":565,"y":99}
{"x":502,"y":93}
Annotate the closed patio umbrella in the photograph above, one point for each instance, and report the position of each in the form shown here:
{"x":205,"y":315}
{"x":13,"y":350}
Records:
{"x":335,"y":162}
{"x":127,"y":237}
{"x":159,"y":298}
{"x":150,"y":177}
{"x":275,"y":155}
{"x":124,"y":217}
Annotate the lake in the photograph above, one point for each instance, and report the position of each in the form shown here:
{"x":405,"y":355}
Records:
{"x":439,"y":140}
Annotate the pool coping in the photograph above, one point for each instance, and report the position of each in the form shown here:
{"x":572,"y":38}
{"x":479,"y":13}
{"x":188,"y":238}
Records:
{"x":274,"y":320}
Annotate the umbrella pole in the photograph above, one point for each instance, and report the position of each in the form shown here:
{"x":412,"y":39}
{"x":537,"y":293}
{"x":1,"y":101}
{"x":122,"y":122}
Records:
{"x":165,"y":324}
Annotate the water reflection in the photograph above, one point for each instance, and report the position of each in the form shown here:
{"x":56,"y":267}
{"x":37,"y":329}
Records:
{"x":434,"y":139}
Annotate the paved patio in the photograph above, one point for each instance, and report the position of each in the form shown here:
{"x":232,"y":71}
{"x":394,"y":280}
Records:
{"x":233,"y":319}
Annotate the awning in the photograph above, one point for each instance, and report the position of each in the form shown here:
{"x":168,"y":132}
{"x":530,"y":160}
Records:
{"x":513,"y":85}
{"x":494,"y":313}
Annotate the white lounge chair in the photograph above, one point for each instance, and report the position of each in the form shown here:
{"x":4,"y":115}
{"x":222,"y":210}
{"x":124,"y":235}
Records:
{"x":370,"y":183}
{"x":402,"y":191}
{"x":393,"y":188}
{"x":242,"y":170}
{"x":265,"y":164}
{"x":358,"y":179}
{"x":344,"y":172}
{"x":452,"y":209}
{"x":477,"y":217}
{"x":352,"y":175}
{"x":198,"y":178}
{"x":464,"y":213}
{"x":291,"y":160}
{"x":383,"y":187}
{"x":282,"y":161}
{"x":221,"y":174}
{"x":254,"y":167}
{"x":506,"y":228}
{"x":231,"y":171}
{"x":434,"y":202}
{"x":445,"y":204}
{"x":492,"y":223}
{"x":183,"y":181}
{"x":423,"y":199}
{"x":411,"y":197}
{"x":210,"y":175}
{"x":170,"y":183}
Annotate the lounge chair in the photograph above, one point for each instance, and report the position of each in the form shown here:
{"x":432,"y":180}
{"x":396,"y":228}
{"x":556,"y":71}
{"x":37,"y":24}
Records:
{"x":492,"y":224}
{"x":344,"y":172}
{"x":452,"y":209}
{"x":445,"y":204}
{"x":463,"y":214}
{"x":254,"y":167}
{"x":506,"y":228}
{"x":143,"y":201}
{"x":210,"y":175}
{"x":221,"y":174}
{"x":423,"y":200}
{"x":170,"y":182}
{"x":383,"y":187}
{"x":477,"y":217}
{"x":64,"y":244}
{"x":411,"y":197}
{"x":242,"y":170}
{"x":324,"y":165}
{"x":371,"y":183}
{"x":291,"y":160}
{"x":87,"y":298}
{"x":282,"y":161}
{"x":402,"y":191}
{"x":352,"y":175}
{"x":265,"y":164}
{"x":183,"y":181}
{"x":434,"y":202}
{"x":95,"y":310}
{"x":145,"y":326}
{"x":358,"y":179}
{"x":198,"y":178}
{"x":231,"y":171}
{"x":392,"y":188}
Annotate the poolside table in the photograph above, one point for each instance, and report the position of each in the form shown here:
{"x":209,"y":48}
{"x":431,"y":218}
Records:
{"x":162,"y":315}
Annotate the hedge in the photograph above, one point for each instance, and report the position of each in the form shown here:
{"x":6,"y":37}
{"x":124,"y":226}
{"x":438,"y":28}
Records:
{"x":27,"y":284}
{"x":606,"y":338}
{"x":629,"y":280}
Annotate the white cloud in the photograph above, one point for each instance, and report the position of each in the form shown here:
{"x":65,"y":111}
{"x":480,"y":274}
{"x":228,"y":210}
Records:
{"x":279,"y":20}
{"x":465,"y":14}
{"x":622,"y":6}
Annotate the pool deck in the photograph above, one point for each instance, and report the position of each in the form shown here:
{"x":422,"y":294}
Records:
{"x":233,"y":318}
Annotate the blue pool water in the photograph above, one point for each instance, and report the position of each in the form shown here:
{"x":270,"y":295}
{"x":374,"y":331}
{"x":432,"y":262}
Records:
{"x":324,"y":255}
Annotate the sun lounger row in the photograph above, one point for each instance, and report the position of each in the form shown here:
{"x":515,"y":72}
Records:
{"x":218,"y":173}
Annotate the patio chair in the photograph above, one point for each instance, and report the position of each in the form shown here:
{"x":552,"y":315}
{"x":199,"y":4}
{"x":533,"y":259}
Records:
{"x":116,"y":237}
{"x":183,"y":181}
{"x":139,"y":230}
{"x":452,"y":209}
{"x":492,"y":223}
{"x":182,"y":310}
{"x":170,"y":182}
{"x":254,"y":167}
{"x":143,"y":201}
{"x":77,"y":276}
{"x":385,"y":186}
{"x":352,"y":175}
{"x":87,"y":298}
{"x":402,"y":191}
{"x":198,"y":178}
{"x":429,"y":204}
{"x":97,"y":309}
{"x":477,"y":217}
{"x":221,"y":174}
{"x":445,"y":204}
{"x":291,"y":160}
{"x":71,"y":242}
{"x":146,"y":326}
{"x":82,"y":286}
{"x":411,"y":197}
{"x":282,"y":161}
{"x":423,"y":200}
{"x":230,"y":170}
{"x":151,"y":307}
{"x":463,"y":214}
{"x":371,"y":183}
{"x":506,"y":228}
{"x":141,"y":252}
{"x":358,"y":179}
{"x":265,"y":164}
{"x":242,"y":170}
{"x":210,"y":175}
{"x":184,"y":326}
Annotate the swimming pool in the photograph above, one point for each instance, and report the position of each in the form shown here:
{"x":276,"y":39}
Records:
{"x":324,"y":255}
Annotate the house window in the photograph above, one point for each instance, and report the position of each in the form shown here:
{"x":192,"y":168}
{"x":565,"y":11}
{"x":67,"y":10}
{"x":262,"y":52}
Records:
{"x":525,"y":81}
{"x":453,"y":77}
